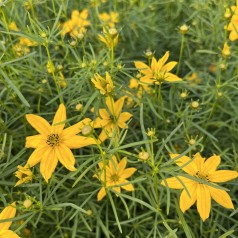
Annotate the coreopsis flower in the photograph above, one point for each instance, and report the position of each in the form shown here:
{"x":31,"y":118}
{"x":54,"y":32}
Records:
{"x":109,"y":19}
{"x":22,"y":47}
{"x":111,"y":119}
{"x":53,"y":144}
{"x":77,"y":24}
{"x":198,"y":191}
{"x":13,"y":26}
{"x":109,"y":37}
{"x":105,"y":85}
{"x":24,"y":174}
{"x":233,"y":24}
{"x":114,"y":176}
{"x":226,"y":51}
{"x":193,"y":79}
{"x":7,"y":213}
{"x":139,"y":87}
{"x":158,"y":71}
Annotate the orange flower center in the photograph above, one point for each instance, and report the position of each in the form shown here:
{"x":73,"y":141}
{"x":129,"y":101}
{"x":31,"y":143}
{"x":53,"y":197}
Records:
{"x":114,"y":178}
{"x":53,"y":140}
{"x":202,"y":176}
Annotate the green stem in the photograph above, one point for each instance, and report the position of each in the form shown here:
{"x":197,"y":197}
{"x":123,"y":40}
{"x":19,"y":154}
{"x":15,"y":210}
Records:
{"x":181,"y":53}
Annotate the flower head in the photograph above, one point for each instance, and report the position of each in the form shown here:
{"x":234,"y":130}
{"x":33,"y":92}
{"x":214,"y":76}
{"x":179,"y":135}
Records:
{"x":7,"y":213}
{"x":226,"y":51}
{"x":109,"y":37}
{"x":53,"y":144}
{"x":204,"y":172}
{"x":109,"y":19}
{"x":24,"y":174}
{"x":105,"y":86}
{"x":158,"y":71}
{"x":193,"y":79}
{"x":233,"y":25}
{"x":111,"y":119}
{"x":77,"y":24}
{"x":114,"y":176}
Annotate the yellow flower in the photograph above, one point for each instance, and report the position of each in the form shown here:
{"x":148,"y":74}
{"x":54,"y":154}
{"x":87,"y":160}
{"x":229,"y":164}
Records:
{"x":114,"y":176}
{"x":226,"y":51}
{"x":105,"y":86}
{"x":193,"y":79}
{"x":24,"y":174}
{"x":22,"y":47}
{"x":109,"y":19}
{"x":13,"y":27}
{"x":7,"y":213}
{"x":111,"y":119}
{"x":53,"y":144}
{"x":77,"y":24}
{"x":204,"y":170}
{"x":158,"y":71}
{"x":109,"y":37}
{"x":233,"y":25}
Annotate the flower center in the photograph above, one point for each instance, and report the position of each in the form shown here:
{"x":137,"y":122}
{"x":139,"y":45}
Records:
{"x":53,"y":140}
{"x":114,"y":178}
{"x":159,"y":76}
{"x":202,"y":176}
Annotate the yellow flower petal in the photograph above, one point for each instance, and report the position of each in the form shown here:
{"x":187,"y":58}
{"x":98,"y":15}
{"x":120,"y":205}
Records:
{"x":48,"y":164}
{"x":116,"y":189}
{"x":59,"y":120}
{"x":75,"y":142}
{"x":118,"y":106}
{"x":35,"y":141}
{"x":128,"y":173}
{"x":124,"y":117}
{"x":175,"y":183}
{"x":187,"y":200}
{"x":113,"y":164}
{"x":190,"y":168}
{"x":7,"y":213}
{"x":162,"y":61}
{"x":101,"y":194}
{"x":8,"y":234}
{"x":211,"y":164}
{"x":142,"y":67}
{"x":169,"y":77}
{"x":65,"y":156}
{"x":203,"y":201}
{"x":39,"y":123}
{"x":222,"y":176}
{"x":221,"y":197}
{"x":122,"y":166}
{"x":37,"y":154}
{"x":168,"y":67}
{"x":128,"y":187}
{"x":75,"y":129}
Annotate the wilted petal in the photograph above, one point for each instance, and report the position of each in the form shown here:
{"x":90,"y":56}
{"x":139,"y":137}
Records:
{"x":66,"y":157}
{"x":221,"y":197}
{"x":39,"y":123}
{"x":59,"y":120}
{"x":203,"y":201}
{"x":222,"y":176}
{"x":7,"y":213}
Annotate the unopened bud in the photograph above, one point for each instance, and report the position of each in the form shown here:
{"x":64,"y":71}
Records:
{"x":184,"y":29}
{"x":144,"y":155}
{"x":86,"y":130}
{"x":195,"y":104}
{"x":27,"y":203}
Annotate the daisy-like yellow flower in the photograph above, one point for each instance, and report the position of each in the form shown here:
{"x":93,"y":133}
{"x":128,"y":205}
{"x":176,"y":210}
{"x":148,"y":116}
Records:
{"x":233,"y":25}
{"x":105,"y":86}
{"x":205,"y":170}
{"x":77,"y":24}
{"x":158,"y":71}
{"x":24,"y":174}
{"x":109,"y":19}
{"x":111,"y":119}
{"x":109,"y":37}
{"x":22,"y":47}
{"x":7,"y":213}
{"x":53,"y":144}
{"x":114,"y":176}
{"x":226,"y":51}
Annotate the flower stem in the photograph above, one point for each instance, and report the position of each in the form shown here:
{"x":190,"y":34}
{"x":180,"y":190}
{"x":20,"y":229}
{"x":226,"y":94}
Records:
{"x":181,"y":53}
